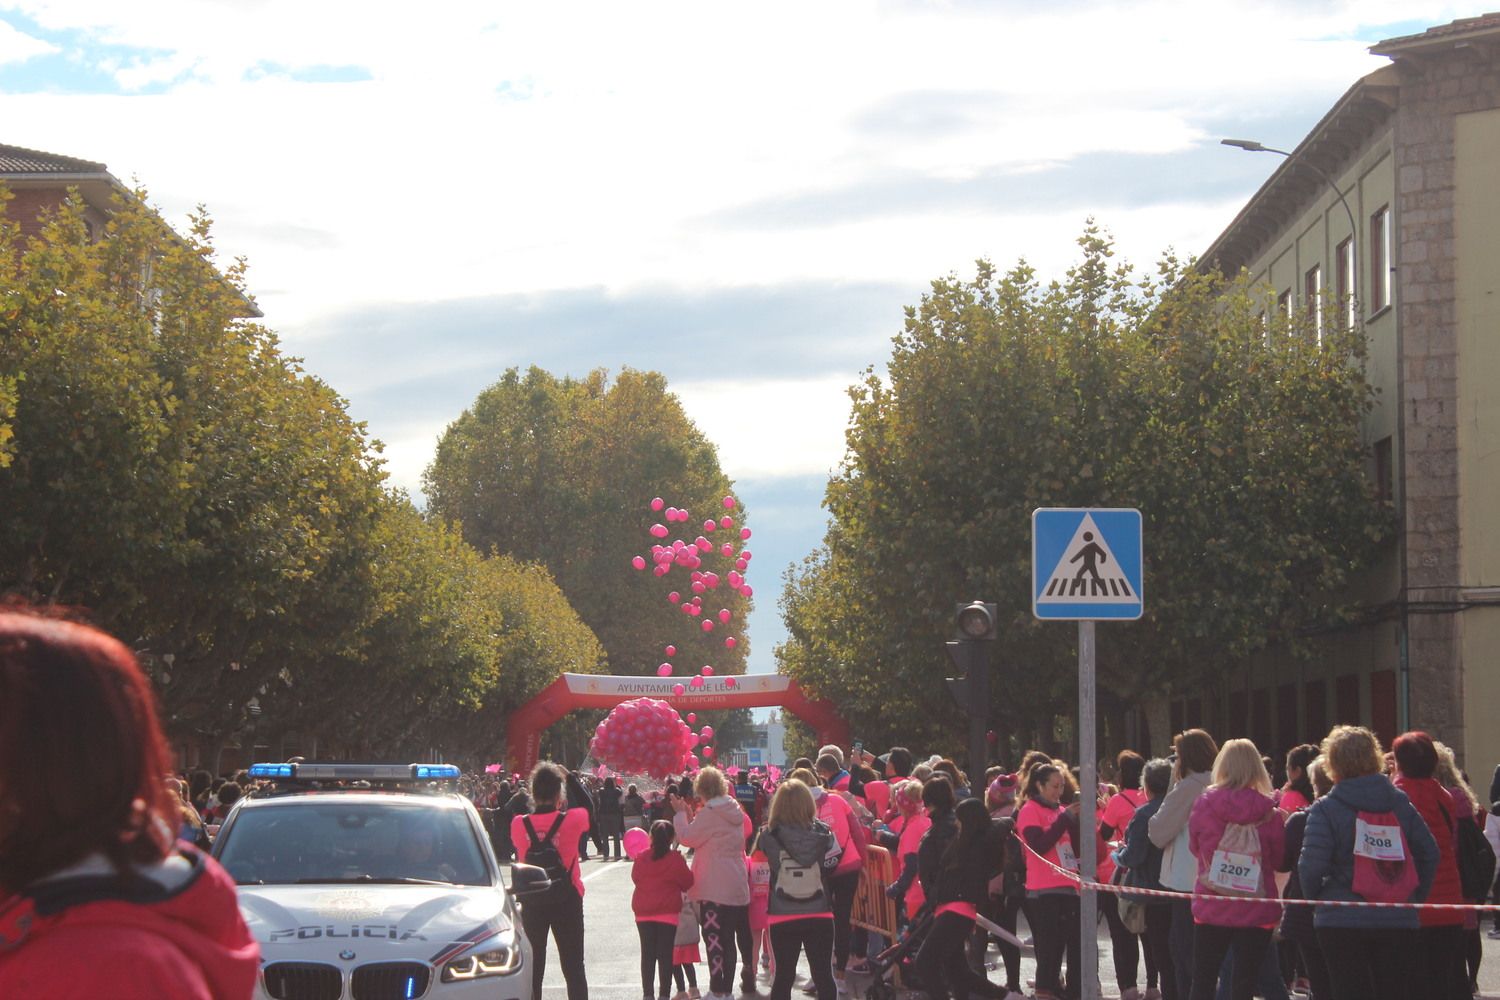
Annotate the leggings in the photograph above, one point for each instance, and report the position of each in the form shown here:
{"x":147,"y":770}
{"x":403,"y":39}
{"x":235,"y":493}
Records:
{"x":721,"y":923}
{"x":656,"y":955}
{"x":943,"y":966}
{"x":843,"y":888}
{"x":790,"y":937}
{"x":1212,"y":942}
{"x":1003,"y":910}
{"x":1054,"y":927}
{"x":1159,"y":945}
{"x":692,"y":976}
{"x":1123,"y":945}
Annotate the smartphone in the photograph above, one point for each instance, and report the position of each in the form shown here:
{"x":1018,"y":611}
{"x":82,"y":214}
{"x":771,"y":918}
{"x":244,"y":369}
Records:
{"x":859,"y":746}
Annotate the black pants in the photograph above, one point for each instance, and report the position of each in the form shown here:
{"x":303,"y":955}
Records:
{"x":813,"y":935}
{"x":1054,"y":928}
{"x":843,"y":888}
{"x":1124,"y":946}
{"x":1159,"y":946}
{"x":720,"y":923}
{"x":1211,"y":943}
{"x":611,"y":831}
{"x":1473,"y":955}
{"x":560,"y":911}
{"x":1180,"y":938}
{"x":1003,"y":910}
{"x":692,"y":976}
{"x":943,"y":966}
{"x":1440,"y":965}
{"x":656,"y":956}
{"x":1369,"y":963}
{"x":1315,"y":965}
{"x":744,"y":939}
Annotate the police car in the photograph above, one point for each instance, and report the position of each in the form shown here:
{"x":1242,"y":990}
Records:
{"x":367,"y":881}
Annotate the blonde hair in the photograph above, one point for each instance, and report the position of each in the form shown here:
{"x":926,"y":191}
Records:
{"x":1352,"y":752}
{"x":792,"y":805}
{"x":1449,"y":776}
{"x":1318,"y":774}
{"x":806,"y":776}
{"x":709,"y":784}
{"x":1238,"y":765}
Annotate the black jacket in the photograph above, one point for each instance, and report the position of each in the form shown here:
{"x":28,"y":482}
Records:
{"x":963,"y":877}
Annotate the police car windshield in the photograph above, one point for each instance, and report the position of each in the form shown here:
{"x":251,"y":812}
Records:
{"x":299,"y":841}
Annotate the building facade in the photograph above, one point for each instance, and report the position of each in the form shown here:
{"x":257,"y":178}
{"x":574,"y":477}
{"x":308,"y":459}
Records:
{"x":1390,"y":208}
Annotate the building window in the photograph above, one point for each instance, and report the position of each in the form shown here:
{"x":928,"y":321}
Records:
{"x":1380,"y":259}
{"x":1283,"y":312}
{"x":1312,"y":299}
{"x":1384,"y":479}
{"x":1343,"y":279}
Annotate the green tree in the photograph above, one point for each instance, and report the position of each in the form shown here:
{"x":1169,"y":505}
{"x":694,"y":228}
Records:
{"x":560,"y":471}
{"x":1003,"y":395}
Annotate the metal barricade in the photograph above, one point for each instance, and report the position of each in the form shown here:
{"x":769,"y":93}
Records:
{"x":872,"y":909}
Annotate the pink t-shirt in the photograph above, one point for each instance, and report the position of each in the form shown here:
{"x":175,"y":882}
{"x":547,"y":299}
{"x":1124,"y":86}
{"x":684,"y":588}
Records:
{"x":878,"y":795}
{"x":1290,"y":800}
{"x":574,"y":825}
{"x":1040,"y":876}
{"x":760,"y":889}
{"x":961,"y":908}
{"x":1116,"y":815}
{"x":912,"y":829}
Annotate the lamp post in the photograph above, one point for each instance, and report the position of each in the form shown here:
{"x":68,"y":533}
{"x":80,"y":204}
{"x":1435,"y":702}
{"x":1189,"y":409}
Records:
{"x":1251,"y":146}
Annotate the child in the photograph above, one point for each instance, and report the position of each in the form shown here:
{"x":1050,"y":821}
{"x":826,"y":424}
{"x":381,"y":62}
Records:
{"x":760,"y":891}
{"x":685,"y":957}
{"x":661,"y":876}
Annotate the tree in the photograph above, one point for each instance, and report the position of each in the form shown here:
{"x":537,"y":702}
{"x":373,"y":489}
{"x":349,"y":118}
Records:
{"x":560,"y":472}
{"x":1240,"y":448}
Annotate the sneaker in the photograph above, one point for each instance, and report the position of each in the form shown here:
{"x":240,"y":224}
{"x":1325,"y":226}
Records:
{"x":840,"y":985}
{"x":693,"y":993}
{"x":1494,"y":933}
{"x":1130,"y":994}
{"x":680,"y":995}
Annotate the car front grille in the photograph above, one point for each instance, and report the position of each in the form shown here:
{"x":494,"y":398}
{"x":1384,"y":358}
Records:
{"x":391,"y":980}
{"x":303,"y":981}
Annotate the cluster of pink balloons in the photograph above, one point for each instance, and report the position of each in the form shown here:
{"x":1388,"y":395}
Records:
{"x":645,"y":736}
{"x":690,"y":554}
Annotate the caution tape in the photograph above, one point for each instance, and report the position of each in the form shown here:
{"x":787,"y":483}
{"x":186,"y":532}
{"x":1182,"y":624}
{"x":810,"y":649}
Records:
{"x":1089,"y":884}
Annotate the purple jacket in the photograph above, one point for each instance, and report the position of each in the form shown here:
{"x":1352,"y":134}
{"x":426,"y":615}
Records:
{"x":1215,"y":809}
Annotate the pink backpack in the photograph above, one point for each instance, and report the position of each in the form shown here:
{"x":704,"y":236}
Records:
{"x":1383,"y":869}
{"x":1236,"y":866}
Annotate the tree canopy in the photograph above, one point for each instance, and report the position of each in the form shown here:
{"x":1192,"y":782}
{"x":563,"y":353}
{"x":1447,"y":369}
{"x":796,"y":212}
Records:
{"x":1238,"y":441}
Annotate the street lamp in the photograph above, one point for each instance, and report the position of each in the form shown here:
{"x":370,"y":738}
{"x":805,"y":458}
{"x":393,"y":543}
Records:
{"x":1251,"y":146}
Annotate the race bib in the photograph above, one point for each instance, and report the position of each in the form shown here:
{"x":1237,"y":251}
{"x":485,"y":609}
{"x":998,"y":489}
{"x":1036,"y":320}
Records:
{"x":1065,"y":856}
{"x":1234,"y":873}
{"x":1378,"y":843}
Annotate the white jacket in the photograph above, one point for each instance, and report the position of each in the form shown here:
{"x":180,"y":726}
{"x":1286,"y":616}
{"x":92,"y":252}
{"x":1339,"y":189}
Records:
{"x":717,"y":836}
{"x":1168,"y":829}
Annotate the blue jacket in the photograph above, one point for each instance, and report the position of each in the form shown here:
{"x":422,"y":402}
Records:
{"x":1141,"y":857}
{"x":1326,"y":867}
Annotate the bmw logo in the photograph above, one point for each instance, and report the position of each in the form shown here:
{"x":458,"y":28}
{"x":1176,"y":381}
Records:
{"x":347,"y":955}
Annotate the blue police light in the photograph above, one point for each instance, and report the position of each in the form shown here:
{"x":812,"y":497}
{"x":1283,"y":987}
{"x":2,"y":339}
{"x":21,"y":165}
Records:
{"x":436,"y":772}
{"x":273,"y":770}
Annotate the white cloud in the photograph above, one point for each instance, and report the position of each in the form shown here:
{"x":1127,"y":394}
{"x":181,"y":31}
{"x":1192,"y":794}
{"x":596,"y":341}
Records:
{"x":771,"y":427}
{"x":17,"y":46}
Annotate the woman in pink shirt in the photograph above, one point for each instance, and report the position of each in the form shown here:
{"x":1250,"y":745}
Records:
{"x":910,"y":824}
{"x":1050,"y":832}
{"x":560,"y":909}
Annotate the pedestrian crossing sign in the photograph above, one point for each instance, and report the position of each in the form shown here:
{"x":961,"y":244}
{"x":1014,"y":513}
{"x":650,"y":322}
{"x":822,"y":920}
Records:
{"x":1086,"y":563}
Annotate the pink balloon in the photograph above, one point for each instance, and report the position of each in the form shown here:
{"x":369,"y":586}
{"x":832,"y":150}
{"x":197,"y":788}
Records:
{"x":674,"y":597}
{"x":707,"y":752}
{"x":671,"y":513}
{"x":735,"y":579}
{"x":707,"y":671}
{"x":742,"y":564}
{"x":711,"y":579}
{"x":662,"y":570}
{"x":659,"y":531}
{"x":726,"y":550}
{"x":698,"y":600}
{"x":694,"y":609}
{"x":678,"y":690}
{"x":704,"y":545}
{"x":747,"y":590}
{"x":708,"y":625}
{"x":731,"y":683}
{"x":709,"y":525}
{"x":687,"y":609}
{"x":699,"y":586}
{"x":657,"y":503}
{"x":671,"y":650}
{"x":692,"y":717}
{"x":729,"y":503}
{"x":726,"y":521}
{"x":696,"y":682}
{"x":636,"y":840}
{"x":638,"y":562}
{"x":745,"y":533}
{"x":746,"y":555}
{"x":725,"y":614}
{"x":665,"y":670}
{"x":730,"y":642}
{"x":708,"y":732}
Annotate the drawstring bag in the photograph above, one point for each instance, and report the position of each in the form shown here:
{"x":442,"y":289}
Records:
{"x":1235,"y":868}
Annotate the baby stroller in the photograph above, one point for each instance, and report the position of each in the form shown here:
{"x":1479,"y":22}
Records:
{"x":900,"y":958}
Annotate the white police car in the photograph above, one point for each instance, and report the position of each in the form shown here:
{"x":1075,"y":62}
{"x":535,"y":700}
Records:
{"x":363,"y":881}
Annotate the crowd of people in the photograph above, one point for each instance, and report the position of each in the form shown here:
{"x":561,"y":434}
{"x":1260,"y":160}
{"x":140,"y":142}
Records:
{"x":1201,"y":861}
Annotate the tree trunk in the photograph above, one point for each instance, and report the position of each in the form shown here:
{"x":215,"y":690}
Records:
{"x":1159,"y":721}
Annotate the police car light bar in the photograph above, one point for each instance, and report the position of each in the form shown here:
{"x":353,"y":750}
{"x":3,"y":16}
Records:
{"x":356,"y":772}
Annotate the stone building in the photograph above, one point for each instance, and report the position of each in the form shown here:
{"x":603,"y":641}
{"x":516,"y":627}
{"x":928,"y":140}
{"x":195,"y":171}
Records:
{"x":1391,"y":207}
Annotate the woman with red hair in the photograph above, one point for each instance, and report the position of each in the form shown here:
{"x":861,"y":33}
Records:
{"x":1440,"y":950}
{"x":97,"y":896}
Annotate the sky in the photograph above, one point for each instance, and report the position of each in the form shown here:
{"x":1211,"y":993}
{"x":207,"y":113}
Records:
{"x":741,"y":196}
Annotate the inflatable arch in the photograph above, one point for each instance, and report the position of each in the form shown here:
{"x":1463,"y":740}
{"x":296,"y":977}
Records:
{"x":523,"y":733}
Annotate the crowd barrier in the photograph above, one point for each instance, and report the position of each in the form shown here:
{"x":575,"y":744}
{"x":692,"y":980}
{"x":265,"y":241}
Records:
{"x":872,"y":910}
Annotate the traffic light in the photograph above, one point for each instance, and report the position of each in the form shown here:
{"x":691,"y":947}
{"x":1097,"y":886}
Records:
{"x":975,"y":620}
{"x":975,"y":624}
{"x":969,"y":661}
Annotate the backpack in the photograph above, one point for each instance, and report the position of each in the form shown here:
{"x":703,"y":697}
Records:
{"x":1235,"y":868}
{"x":1383,"y":868}
{"x":794,"y":881}
{"x":544,"y":854}
{"x":1475,"y":856}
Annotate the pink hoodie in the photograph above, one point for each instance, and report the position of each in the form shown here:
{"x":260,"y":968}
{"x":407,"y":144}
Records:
{"x":1215,"y":809}
{"x":833,"y":810}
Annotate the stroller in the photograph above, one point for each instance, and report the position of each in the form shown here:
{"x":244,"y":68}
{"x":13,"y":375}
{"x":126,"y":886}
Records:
{"x":900,"y":958}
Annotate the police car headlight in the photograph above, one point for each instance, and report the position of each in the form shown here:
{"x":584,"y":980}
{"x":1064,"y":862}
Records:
{"x":498,"y":956}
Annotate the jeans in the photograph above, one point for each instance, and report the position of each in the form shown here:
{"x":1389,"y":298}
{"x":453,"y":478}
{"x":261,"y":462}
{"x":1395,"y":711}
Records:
{"x":943,"y":966}
{"x":1368,"y":963}
{"x":656,"y":956}
{"x":721,"y":922}
{"x":1159,"y":945}
{"x":843,"y":888}
{"x":1054,"y":928}
{"x":559,"y":910}
{"x":1212,"y":942}
{"x":813,"y":935}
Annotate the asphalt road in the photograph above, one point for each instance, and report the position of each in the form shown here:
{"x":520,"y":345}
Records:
{"x":613,"y":953}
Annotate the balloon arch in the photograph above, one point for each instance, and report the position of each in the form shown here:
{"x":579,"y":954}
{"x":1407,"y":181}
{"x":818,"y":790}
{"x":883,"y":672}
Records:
{"x":523,"y":734}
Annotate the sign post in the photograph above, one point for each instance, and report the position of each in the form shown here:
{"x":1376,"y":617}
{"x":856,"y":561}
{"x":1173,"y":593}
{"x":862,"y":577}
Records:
{"x":1085,"y":566}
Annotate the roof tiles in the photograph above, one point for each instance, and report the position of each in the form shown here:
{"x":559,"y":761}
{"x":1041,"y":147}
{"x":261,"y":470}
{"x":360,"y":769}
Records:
{"x":20,"y":160}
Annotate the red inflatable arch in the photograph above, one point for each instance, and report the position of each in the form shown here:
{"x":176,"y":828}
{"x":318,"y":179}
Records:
{"x":523,"y":734}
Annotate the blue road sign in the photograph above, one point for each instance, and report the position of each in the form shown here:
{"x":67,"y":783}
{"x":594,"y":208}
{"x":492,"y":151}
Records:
{"x":1086,"y":563}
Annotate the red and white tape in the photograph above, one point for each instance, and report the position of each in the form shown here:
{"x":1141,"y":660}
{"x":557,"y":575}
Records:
{"x":1074,"y":877}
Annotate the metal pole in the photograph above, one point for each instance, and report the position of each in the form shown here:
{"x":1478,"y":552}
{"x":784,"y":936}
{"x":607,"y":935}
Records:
{"x":1087,"y":848}
{"x":979,"y":716}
